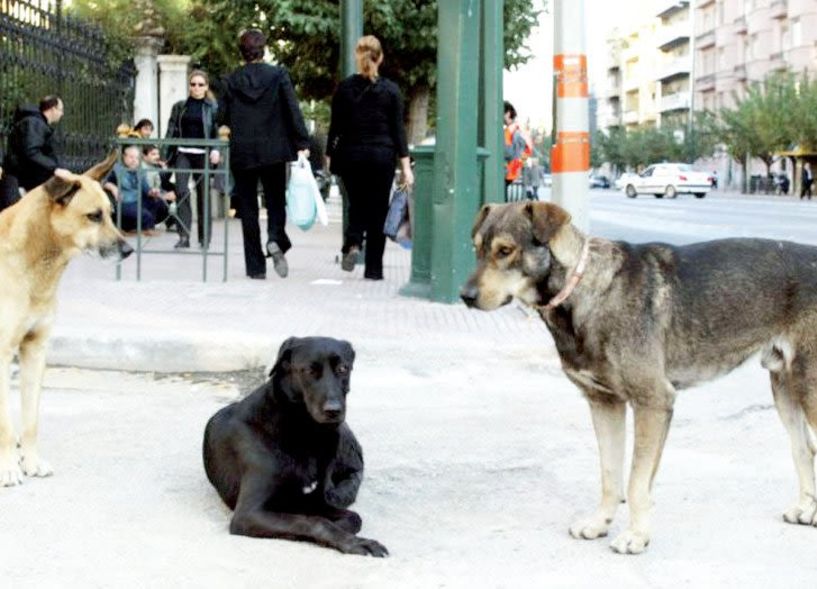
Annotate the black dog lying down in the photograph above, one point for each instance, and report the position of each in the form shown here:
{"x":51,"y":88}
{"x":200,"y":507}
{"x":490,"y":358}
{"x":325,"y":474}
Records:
{"x":284,"y":460}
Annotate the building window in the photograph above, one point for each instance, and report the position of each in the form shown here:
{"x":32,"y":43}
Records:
{"x":796,"y":32}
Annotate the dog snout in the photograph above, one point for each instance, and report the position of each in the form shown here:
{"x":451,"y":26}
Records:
{"x":469,"y":295}
{"x":124,"y":249}
{"x":333,"y":409}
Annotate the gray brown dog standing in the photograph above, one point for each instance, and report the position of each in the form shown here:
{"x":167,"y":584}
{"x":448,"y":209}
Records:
{"x":284,"y":459}
{"x":633,"y":324}
{"x":68,"y":215}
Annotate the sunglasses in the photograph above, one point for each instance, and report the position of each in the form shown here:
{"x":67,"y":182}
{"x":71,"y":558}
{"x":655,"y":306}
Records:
{"x":197,"y":84}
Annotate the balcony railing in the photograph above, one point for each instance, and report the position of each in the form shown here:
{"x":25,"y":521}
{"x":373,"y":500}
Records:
{"x":631,"y":117}
{"x":678,"y":67}
{"x":672,"y":36}
{"x":667,"y":8}
{"x":705,"y":39}
{"x":779,"y":9}
{"x":740,"y":25}
{"x":740,"y":72}
{"x":706,"y":82}
{"x":677,"y":101}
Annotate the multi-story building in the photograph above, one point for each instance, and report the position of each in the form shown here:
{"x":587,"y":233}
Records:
{"x":738,"y":42}
{"x":630,"y":95}
{"x":674,"y":71}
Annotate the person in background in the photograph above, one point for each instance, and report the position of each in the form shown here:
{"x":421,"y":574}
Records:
{"x":366,"y":140}
{"x":193,"y":118}
{"x":266,"y":131}
{"x":31,"y":157}
{"x":517,"y":147}
{"x":807,"y":180}
{"x":144,"y":128}
{"x":128,"y":184}
{"x":157,"y":177}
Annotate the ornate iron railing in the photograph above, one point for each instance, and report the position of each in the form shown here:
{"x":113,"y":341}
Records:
{"x":44,"y":51}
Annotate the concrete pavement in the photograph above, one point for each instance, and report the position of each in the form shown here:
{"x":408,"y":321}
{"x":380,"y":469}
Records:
{"x":171,"y":321}
{"x":479,"y":452}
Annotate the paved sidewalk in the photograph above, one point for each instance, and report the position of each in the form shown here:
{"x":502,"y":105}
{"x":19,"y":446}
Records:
{"x":171,"y":321}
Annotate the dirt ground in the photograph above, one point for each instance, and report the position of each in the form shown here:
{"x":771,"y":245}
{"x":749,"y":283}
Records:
{"x":475,"y":467}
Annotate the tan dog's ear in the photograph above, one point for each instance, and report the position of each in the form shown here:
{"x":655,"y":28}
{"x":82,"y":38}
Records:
{"x":546,"y":218}
{"x":103,"y":168}
{"x":480,"y":219}
{"x":62,"y":186}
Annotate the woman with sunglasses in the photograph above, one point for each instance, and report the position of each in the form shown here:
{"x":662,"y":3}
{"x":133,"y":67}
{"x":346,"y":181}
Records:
{"x":193,"y":118}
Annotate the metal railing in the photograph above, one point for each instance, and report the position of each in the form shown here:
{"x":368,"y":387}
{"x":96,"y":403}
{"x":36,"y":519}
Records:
{"x":204,"y":216}
{"x":43,"y":52}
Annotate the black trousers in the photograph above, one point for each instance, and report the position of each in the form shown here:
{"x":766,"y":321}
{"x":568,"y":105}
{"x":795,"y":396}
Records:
{"x":368,"y":186}
{"x":273,"y":177}
{"x":185,"y":212}
{"x":806,"y":189}
{"x":9,"y":191}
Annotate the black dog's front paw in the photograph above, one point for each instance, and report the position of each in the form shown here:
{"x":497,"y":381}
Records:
{"x":365,"y":547}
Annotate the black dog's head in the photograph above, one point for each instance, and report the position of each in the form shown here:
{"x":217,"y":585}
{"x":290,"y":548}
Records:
{"x":314,"y":372}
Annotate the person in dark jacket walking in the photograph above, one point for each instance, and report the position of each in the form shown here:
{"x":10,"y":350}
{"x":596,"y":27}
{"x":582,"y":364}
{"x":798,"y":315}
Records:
{"x":366,"y":138}
{"x":193,"y":118}
{"x":266,"y":131}
{"x":31,"y":157}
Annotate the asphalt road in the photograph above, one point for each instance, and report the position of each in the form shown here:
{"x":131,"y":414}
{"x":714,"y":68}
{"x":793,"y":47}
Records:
{"x":687,"y":219}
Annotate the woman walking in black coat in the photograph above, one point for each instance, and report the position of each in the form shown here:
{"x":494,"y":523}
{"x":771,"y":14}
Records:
{"x":266,"y":131}
{"x":193,"y":118}
{"x":366,"y":137}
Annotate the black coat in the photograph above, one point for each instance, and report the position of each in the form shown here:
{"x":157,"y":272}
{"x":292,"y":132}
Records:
{"x":174,"y":125}
{"x":367,"y":123}
{"x":266,"y":124}
{"x":31,"y":156}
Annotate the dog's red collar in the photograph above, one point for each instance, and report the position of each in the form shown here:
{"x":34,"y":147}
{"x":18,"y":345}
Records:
{"x":571,"y":282}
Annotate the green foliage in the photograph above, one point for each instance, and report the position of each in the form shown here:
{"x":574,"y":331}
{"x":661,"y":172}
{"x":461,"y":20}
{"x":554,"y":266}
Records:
{"x":304,"y":35}
{"x":121,"y":20}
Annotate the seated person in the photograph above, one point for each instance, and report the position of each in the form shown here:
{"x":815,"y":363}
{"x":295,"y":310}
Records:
{"x":129,"y":185}
{"x":153,"y":166}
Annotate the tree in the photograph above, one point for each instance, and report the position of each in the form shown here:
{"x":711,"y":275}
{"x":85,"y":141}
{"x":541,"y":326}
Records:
{"x":304,"y":36}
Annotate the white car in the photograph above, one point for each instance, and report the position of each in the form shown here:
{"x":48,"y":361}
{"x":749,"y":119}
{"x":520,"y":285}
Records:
{"x":669,"y":180}
{"x":622,"y":181}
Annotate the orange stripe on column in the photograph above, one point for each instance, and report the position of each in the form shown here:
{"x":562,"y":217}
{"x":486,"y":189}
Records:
{"x":571,"y":75}
{"x":571,"y":152}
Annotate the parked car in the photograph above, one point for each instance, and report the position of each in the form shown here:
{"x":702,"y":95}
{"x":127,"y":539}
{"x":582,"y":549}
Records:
{"x":669,"y":179}
{"x":622,"y":181}
{"x":599,"y":182}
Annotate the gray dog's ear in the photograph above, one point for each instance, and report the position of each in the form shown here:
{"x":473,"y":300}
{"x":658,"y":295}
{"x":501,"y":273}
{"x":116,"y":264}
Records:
{"x":546,"y":218}
{"x":481,"y":216}
{"x":284,"y":356}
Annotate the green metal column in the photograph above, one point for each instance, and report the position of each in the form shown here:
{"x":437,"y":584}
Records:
{"x":351,"y":29}
{"x":456,"y":197}
{"x":491,"y":124}
{"x":419,"y":284}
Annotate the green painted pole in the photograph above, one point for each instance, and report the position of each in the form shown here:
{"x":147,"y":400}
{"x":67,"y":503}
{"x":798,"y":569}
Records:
{"x":351,"y":29}
{"x":491,"y":124}
{"x":456,"y":196}
{"x":419,"y":284}
{"x":351,"y":26}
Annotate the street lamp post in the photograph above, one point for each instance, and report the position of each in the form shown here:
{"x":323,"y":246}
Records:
{"x":570,"y":155}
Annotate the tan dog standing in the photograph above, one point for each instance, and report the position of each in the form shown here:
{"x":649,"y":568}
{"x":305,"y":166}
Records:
{"x":635,"y":323}
{"x":39,"y":235}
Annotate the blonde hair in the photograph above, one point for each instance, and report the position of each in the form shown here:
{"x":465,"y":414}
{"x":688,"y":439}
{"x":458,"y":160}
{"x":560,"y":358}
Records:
{"x":202,"y":74}
{"x":368,"y":54}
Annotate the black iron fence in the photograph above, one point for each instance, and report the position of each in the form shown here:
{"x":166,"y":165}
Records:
{"x":44,"y":51}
